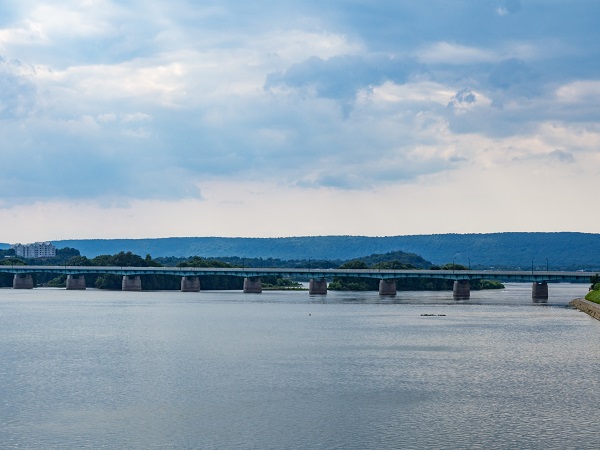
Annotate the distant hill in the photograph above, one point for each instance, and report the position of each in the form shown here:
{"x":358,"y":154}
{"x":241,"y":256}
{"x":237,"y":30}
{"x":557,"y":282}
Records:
{"x":501,"y":250}
{"x":236,"y":261}
{"x":398,"y":256}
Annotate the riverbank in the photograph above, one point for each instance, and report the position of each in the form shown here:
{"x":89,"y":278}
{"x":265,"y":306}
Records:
{"x":590,"y":308}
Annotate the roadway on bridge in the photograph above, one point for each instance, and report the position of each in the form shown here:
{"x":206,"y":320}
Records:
{"x":523,"y":276}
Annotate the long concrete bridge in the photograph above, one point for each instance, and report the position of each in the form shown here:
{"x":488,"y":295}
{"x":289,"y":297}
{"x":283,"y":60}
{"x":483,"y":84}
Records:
{"x":190,"y":277}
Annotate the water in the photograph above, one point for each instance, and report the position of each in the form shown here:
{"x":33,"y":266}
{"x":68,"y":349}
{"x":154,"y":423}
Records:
{"x":280,"y":370}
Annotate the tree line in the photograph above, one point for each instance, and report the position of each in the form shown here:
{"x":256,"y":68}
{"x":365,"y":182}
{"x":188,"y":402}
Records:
{"x":393,"y":260}
{"x":72,"y":257}
{"x":404,"y":284}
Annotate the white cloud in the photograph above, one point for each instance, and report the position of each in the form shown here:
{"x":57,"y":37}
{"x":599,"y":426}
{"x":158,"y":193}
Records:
{"x":414,"y":92}
{"x":297,"y":45}
{"x":338,"y":102}
{"x":76,"y":19}
{"x":27,"y":33}
{"x":452,"y":53}
{"x":491,"y":200}
{"x":581,"y":91}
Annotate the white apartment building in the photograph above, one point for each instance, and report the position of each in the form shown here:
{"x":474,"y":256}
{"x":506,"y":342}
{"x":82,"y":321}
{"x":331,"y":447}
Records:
{"x":35,"y":250}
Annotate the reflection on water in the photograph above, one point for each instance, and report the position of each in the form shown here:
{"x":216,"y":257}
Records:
{"x":288,"y":370}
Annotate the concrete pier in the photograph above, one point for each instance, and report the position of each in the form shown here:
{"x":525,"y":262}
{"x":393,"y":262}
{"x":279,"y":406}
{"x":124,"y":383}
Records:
{"x":23,"y":281}
{"x":387,"y":287}
{"x":539,"y":290}
{"x":252,"y":285}
{"x":190,"y":284}
{"x":461,"y":289}
{"x":75,"y":282}
{"x":317,"y":286}
{"x":131,"y":283}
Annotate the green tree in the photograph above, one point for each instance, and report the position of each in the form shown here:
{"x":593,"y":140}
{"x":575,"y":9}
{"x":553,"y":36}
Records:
{"x":452,"y":266}
{"x":393,"y":265}
{"x":66,"y":253}
{"x":7,"y":252}
{"x":354,"y":264}
{"x":6,"y":279}
{"x":214,"y":282}
{"x":79,"y":261}
{"x":108,"y":281}
{"x":354,"y":283}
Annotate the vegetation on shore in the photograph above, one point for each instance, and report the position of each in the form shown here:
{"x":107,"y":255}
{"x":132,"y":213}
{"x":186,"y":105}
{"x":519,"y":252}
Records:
{"x":403,"y":284}
{"x":282,"y":284}
{"x":594,"y":294}
{"x":6,"y":279}
{"x":392,"y":260}
{"x":72,"y":257}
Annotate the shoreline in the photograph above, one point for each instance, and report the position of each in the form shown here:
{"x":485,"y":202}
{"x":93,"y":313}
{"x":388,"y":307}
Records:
{"x":590,"y":308}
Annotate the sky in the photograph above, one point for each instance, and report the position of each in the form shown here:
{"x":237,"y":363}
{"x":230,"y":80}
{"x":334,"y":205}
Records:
{"x":137,"y":119}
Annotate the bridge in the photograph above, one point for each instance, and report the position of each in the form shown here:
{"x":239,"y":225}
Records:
{"x":190,"y":277}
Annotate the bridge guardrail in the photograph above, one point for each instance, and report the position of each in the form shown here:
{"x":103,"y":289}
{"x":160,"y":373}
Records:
{"x":509,"y":275}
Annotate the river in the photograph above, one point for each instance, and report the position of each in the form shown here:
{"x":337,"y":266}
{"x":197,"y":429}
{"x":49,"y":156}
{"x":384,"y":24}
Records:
{"x":220,"y":370}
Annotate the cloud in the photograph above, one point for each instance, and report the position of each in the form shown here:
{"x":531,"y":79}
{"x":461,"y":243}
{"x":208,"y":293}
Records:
{"x":139,"y":101}
{"x":511,"y":73}
{"x":452,"y":53}
{"x":18,"y":94}
{"x":341,"y":77}
{"x":417,"y":93}
{"x":509,"y":7}
{"x":562,"y":156}
{"x":464,"y":100}
{"x":579,"y":91}
{"x":465,"y":96}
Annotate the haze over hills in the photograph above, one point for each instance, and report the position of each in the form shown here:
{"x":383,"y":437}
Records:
{"x":564,"y":250}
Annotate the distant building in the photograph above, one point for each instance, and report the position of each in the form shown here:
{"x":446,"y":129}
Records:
{"x":35,"y":250}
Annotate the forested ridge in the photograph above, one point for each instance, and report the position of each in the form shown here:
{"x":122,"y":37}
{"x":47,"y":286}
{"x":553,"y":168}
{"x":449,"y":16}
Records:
{"x":564,"y":250}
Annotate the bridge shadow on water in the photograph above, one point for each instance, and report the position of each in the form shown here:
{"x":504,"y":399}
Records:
{"x":514,"y":294}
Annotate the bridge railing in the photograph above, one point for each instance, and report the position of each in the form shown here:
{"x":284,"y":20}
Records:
{"x":507,"y":276}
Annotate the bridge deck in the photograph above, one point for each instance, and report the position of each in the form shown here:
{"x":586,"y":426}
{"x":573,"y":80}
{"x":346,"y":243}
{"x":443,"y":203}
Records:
{"x":500,"y":275}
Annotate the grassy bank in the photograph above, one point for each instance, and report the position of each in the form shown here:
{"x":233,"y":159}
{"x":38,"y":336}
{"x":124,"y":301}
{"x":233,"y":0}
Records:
{"x":593,"y":296}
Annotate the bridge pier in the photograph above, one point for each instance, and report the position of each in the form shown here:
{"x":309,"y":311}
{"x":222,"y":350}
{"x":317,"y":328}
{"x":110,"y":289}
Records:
{"x":252,"y":285}
{"x":131,"y":283}
{"x":387,"y":287}
{"x":317,"y":286}
{"x":461,"y":289}
{"x":539,"y":290}
{"x":190,"y":284}
{"x":75,"y":282}
{"x":23,"y":281}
